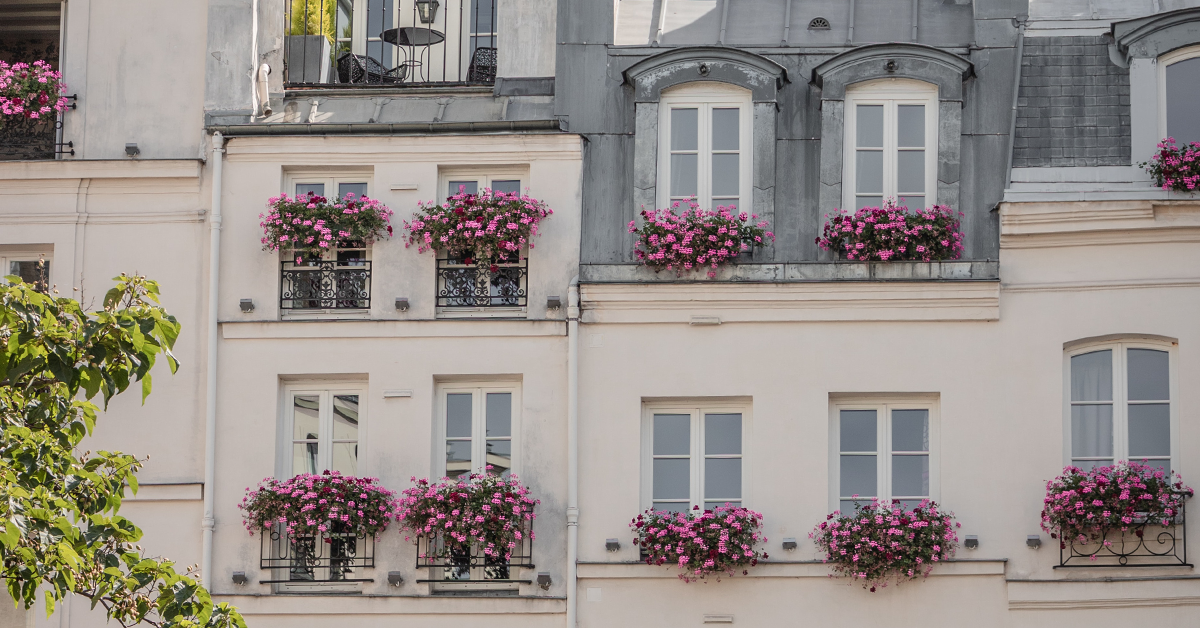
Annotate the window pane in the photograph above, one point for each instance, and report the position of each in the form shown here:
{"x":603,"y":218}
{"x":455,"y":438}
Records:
{"x":910,"y":126}
{"x":1183,"y":92}
{"x":304,"y":458}
{"x":858,"y":430}
{"x":673,"y":506}
{"x":33,"y":272}
{"x":458,"y":415}
{"x":910,"y":171}
{"x":672,"y":434}
{"x":359,"y":190}
{"x":482,"y":12}
{"x":912,"y":202}
{"x":868,"y":172}
{"x":868,"y":201}
{"x":847,"y":505}
{"x":458,"y":457}
{"x":1149,"y":430}
{"x":725,"y":174}
{"x":724,"y":502}
{"x":1148,"y":378}
{"x":672,"y":478}
{"x":499,"y":414}
{"x":345,"y":458}
{"x":869,"y":126}
{"x":499,"y":455}
{"x":910,"y":476}
{"x":722,"y":478}
{"x":725,"y":129}
{"x":858,"y":476}
{"x":306,"y":422}
{"x":683,"y":175}
{"x":345,"y":417}
{"x":310,"y":188}
{"x":684,"y":129}
{"x":463,"y":187}
{"x":1091,"y":376}
{"x":910,"y":431}
{"x":1091,"y":431}
{"x":508,"y":187}
{"x":722,"y":434}
{"x":1088,"y":465}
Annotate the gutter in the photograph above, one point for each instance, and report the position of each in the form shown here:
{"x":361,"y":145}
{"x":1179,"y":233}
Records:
{"x":377,"y":128}
{"x":573,"y":452}
{"x":210,"y":404}
{"x":1012,"y":128}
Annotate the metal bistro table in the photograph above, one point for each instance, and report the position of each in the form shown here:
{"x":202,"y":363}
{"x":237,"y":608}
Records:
{"x":413,"y":37}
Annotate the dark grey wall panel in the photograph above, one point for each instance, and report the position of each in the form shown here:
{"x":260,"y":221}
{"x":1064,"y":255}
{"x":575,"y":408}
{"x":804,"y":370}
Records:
{"x":945,"y":22}
{"x":607,"y":199}
{"x":585,"y":21}
{"x":797,"y":218}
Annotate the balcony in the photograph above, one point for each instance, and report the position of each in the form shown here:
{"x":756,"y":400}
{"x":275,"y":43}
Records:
{"x":389,"y":43}
{"x":306,"y":559}
{"x":1143,"y":544}
{"x":454,"y":569}
{"x":326,"y":286}
{"x":477,"y":287}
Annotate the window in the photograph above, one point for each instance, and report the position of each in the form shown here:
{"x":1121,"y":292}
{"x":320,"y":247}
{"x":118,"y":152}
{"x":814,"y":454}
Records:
{"x":476,"y":428}
{"x":884,"y":450}
{"x":322,"y":428}
{"x":694,"y":457}
{"x":32,"y":267}
{"x":1180,"y":91}
{"x":338,"y":280}
{"x":1119,"y":405}
{"x":891,"y":144}
{"x":704,"y":145}
{"x":472,"y":181}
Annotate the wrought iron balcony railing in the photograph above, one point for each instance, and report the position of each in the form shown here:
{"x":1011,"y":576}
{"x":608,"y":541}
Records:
{"x":325,"y":285}
{"x":1143,"y":544}
{"x":328,"y":557}
{"x":392,"y":43}
{"x":449,"y":564}
{"x":479,"y":285}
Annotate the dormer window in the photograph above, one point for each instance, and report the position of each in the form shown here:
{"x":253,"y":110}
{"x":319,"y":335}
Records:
{"x":1180,"y":95}
{"x":704,"y":146}
{"x":891,"y":144}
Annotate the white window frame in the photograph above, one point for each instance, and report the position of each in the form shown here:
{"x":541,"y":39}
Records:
{"x":890,"y":93}
{"x":706,"y":96}
{"x":26,"y":255}
{"x":326,"y":391}
{"x":1175,"y":56}
{"x":483,"y":176}
{"x":1120,"y":395}
{"x":478,"y":423}
{"x":883,"y":442}
{"x":697,"y":409}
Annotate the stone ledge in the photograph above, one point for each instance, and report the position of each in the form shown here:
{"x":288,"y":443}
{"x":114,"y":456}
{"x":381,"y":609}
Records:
{"x":798,"y":272}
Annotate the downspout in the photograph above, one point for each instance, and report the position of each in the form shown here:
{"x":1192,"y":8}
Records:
{"x":787,"y":23}
{"x":254,"y":70}
{"x":724,"y":19}
{"x":1012,"y":127}
{"x":62,"y":61}
{"x":210,"y":404}
{"x":572,"y":452}
{"x":850,"y":28}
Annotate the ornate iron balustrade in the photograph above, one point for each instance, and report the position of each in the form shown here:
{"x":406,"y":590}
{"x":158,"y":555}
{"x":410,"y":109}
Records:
{"x":462,"y":285}
{"x":325,"y":286}
{"x":471,"y":564}
{"x":1143,"y":544}
{"x":328,"y":557}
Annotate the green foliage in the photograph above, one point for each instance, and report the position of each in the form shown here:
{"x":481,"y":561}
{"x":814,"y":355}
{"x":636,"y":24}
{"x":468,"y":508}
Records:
{"x":61,"y":529}
{"x":313,"y":17}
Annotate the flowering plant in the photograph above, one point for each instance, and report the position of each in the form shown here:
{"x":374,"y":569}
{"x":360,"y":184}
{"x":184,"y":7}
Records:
{"x":310,"y":224}
{"x":1175,"y":167}
{"x":490,"y":226}
{"x":485,"y":510}
{"x":30,"y":90}
{"x":1080,"y":506}
{"x":311,"y":504}
{"x":701,"y":542}
{"x":894,"y":233}
{"x":694,"y":238}
{"x":882,"y":542}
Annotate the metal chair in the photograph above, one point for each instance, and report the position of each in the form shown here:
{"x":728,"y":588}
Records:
{"x":354,"y":68}
{"x":483,"y":66}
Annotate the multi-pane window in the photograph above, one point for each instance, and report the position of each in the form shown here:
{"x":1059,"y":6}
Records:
{"x":472,"y":184}
{"x":695,"y":458}
{"x":476,"y":429}
{"x":322,"y":427}
{"x":1119,"y":405}
{"x":33,"y":269}
{"x":883,"y":451}
{"x":334,"y":189}
{"x":704,"y":141}
{"x":339,"y":278}
{"x":1180,"y":93}
{"x":891,"y":144}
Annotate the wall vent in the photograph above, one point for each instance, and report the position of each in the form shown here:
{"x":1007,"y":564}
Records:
{"x":818,"y":24}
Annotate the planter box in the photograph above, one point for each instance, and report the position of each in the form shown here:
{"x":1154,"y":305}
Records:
{"x":308,"y":59}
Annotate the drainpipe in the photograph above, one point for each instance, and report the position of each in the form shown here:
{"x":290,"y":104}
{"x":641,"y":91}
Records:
{"x":254,"y":70}
{"x":850,"y":29}
{"x":210,"y":404}
{"x":572,"y":452}
{"x":263,"y":97}
{"x":1012,"y":128}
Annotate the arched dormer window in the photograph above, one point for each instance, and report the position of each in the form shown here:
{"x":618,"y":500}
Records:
{"x":891,"y":143}
{"x":704,"y":145}
{"x":1179,"y":95}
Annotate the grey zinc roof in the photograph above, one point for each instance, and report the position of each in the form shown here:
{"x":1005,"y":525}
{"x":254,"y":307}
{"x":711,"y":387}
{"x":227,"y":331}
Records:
{"x":1073,"y":105}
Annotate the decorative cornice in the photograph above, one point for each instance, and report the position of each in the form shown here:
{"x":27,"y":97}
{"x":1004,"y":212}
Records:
{"x":737,"y":56}
{"x":1053,"y":224}
{"x":881,"y":52}
{"x":1134,"y":38}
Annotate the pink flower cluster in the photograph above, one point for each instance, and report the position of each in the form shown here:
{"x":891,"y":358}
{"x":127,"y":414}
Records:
{"x":701,"y":543}
{"x":894,"y":233}
{"x":883,"y":542}
{"x":311,"y":505}
{"x":1175,"y":167}
{"x":310,"y":224}
{"x":1082,"y":506}
{"x":31,"y":90}
{"x":484,"y":511}
{"x":678,"y":240}
{"x":489,"y":227}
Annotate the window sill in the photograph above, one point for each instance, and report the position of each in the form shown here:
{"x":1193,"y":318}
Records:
{"x":799,"y":272}
{"x":325,"y":315}
{"x":482,"y":312}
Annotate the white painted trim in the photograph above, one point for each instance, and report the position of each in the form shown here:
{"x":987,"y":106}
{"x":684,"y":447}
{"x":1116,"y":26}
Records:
{"x":325,"y":390}
{"x":883,"y":405}
{"x":890,"y":93}
{"x":705,"y":96}
{"x":697,"y":409}
{"x":477,"y":390}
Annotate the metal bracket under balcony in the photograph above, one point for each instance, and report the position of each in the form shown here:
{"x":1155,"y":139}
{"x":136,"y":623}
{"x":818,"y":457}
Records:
{"x":1141,"y":544}
{"x":481,"y":285}
{"x":328,"y":557}
{"x":327,"y":285}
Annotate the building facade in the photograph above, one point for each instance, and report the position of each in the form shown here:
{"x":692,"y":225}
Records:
{"x":1064,"y":334}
